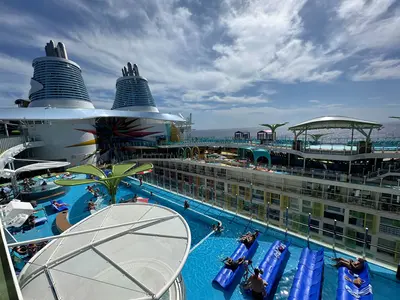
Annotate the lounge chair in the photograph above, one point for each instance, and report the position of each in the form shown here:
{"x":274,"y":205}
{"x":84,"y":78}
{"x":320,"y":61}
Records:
{"x":60,"y":208}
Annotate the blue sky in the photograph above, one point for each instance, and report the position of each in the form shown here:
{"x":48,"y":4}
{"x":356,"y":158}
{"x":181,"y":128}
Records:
{"x":232,"y":63}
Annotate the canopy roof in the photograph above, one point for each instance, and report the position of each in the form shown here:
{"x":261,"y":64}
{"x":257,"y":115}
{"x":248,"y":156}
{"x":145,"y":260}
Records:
{"x":7,"y":173}
{"x":335,"y":122}
{"x":44,"y":113}
{"x":138,"y":260}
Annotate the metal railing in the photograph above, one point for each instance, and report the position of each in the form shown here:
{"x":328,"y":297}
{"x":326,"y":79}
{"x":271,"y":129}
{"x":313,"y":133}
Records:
{"x":350,"y":196}
{"x":266,"y":214}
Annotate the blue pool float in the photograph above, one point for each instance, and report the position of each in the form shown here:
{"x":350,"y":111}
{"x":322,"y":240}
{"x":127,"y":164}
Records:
{"x":307,"y":283}
{"x":61,"y":208}
{"x":272,"y":266}
{"x":349,"y":291}
{"x":226,"y":276}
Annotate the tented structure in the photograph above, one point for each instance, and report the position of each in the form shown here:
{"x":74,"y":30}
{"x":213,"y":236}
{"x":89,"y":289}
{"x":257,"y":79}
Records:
{"x":124,"y":251}
{"x":7,"y":173}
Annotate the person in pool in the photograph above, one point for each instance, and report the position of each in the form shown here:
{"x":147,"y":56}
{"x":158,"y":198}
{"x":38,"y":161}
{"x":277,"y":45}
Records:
{"x":233,"y":264}
{"x":248,"y":240}
{"x":217,"y":227}
{"x":257,"y":285}
{"x":91,"y":205}
{"x":186,"y":205}
{"x":247,"y":264}
{"x":354,"y":266}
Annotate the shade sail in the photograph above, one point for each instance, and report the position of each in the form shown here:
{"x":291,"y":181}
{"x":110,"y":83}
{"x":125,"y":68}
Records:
{"x":335,"y":122}
{"x":43,"y":166}
{"x":135,"y":261}
{"x":7,"y":173}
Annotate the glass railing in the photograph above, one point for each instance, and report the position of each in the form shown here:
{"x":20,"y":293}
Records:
{"x":289,"y":220}
{"x":334,"y":145}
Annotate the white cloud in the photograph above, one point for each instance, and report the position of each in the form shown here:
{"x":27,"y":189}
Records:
{"x":368,"y":24}
{"x":233,"y":59}
{"x":378,"y":69}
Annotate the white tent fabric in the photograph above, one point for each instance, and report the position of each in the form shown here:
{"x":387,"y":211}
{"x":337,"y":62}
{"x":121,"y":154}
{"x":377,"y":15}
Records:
{"x":135,"y":261}
{"x":7,"y":173}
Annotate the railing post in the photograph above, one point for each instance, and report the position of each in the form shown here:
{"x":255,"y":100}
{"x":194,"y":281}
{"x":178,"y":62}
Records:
{"x":334,"y":234}
{"x":365,"y":241}
{"x":237,"y":203}
{"x":267,"y":213}
{"x":309,"y":229}
{"x":287,"y":220}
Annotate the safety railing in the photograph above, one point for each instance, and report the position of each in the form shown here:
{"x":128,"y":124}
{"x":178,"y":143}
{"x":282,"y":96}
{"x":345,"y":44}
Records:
{"x":272,"y":214}
{"x":294,"y":171}
{"x":350,"y":196}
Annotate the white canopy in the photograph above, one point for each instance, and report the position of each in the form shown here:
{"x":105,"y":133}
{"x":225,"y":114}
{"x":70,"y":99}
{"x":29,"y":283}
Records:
{"x":7,"y":173}
{"x":138,"y":254}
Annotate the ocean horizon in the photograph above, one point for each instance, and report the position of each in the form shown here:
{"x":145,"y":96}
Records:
{"x":390,"y":130}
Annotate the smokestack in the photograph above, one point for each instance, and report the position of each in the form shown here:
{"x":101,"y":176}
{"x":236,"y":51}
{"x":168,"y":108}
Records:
{"x":52,"y":51}
{"x":62,"y":50}
{"x":130,"y":70}
{"x":135,"y":67}
{"x":46,"y":49}
{"x":126,"y":71}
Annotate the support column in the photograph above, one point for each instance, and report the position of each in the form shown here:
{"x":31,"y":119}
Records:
{"x":349,"y":167}
{"x":6,"y":129}
{"x":304,"y":163}
{"x":352,"y":138}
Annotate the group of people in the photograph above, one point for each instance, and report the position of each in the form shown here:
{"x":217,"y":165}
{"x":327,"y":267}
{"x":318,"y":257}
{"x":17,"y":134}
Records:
{"x":252,"y":280}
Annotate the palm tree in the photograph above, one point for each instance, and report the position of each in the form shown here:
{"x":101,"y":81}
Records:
{"x":118,"y":172}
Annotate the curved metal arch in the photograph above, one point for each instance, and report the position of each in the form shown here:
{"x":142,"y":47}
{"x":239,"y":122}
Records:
{"x":192,"y":151}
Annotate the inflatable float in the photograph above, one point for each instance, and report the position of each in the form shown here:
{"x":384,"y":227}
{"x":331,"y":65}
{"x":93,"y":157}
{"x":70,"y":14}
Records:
{"x":226,"y":275}
{"x":347,"y":290}
{"x":273,"y":265}
{"x":307,"y":283}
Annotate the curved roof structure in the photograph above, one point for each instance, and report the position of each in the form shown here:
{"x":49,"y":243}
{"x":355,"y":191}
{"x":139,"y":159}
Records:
{"x":44,"y":113}
{"x":124,"y":251}
{"x":335,"y":122}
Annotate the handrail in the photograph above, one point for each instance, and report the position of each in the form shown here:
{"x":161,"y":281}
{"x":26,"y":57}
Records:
{"x":220,"y":203}
{"x":14,"y":289}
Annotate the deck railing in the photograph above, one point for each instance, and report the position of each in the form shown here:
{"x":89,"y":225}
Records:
{"x":267,"y":215}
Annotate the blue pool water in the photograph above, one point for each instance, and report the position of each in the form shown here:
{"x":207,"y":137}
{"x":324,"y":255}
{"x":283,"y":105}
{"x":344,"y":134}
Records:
{"x":204,"y":261}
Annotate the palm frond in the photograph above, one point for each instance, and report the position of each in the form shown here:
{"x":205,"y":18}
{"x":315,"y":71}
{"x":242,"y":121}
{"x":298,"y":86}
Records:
{"x":120,"y":169}
{"x":74,"y":182}
{"x":88,"y":169}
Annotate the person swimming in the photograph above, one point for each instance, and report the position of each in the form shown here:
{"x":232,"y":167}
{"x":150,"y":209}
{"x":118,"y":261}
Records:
{"x":217,"y":227}
{"x":91,"y":205}
{"x":186,"y":205}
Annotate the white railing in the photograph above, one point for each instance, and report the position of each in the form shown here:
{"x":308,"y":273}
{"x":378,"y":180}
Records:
{"x":14,"y":291}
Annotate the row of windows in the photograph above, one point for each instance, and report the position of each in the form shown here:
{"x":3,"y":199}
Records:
{"x":133,"y":92}
{"x":60,"y":80}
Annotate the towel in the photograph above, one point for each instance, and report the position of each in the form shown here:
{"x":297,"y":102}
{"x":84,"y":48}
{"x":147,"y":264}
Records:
{"x":358,"y":294}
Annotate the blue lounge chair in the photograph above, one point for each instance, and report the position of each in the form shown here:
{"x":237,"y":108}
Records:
{"x":226,"y":275}
{"x":61,"y":208}
{"x":307,"y":283}
{"x":348,"y":290}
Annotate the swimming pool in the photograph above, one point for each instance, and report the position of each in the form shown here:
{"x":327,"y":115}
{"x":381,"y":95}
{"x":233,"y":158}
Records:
{"x":204,"y":262}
